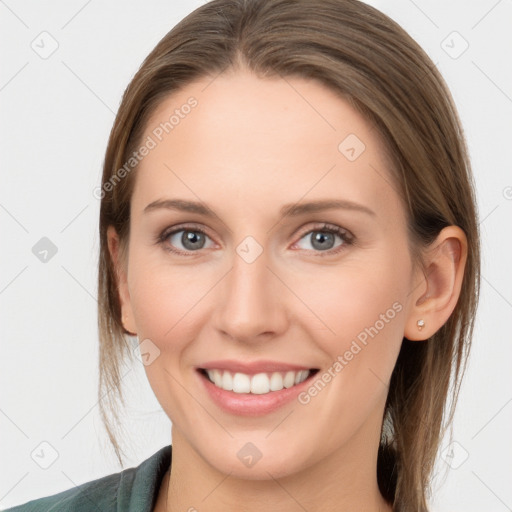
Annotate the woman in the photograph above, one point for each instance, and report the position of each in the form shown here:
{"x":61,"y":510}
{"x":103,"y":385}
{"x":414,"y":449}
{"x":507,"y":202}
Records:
{"x":288,"y":226}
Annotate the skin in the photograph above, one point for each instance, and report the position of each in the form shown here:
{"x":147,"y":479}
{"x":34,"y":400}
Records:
{"x":250,"y":146}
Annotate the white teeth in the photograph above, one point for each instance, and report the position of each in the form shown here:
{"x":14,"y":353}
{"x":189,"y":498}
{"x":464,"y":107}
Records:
{"x":258,"y":384}
{"x":276,"y":382}
{"x":241,"y":383}
{"x":227,"y":381}
{"x":289,"y":379}
{"x":217,"y":378}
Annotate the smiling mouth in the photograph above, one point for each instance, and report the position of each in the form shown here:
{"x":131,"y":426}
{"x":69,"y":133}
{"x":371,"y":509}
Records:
{"x":258,"y":384}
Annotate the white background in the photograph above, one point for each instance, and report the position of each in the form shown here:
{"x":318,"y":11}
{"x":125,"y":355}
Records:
{"x":55,"y":120}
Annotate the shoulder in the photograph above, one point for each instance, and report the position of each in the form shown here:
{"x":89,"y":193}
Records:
{"x":130,"y":489}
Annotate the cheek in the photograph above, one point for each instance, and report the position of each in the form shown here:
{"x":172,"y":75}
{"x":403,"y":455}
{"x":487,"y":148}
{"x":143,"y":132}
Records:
{"x":363,"y":310}
{"x":353,"y":296}
{"x":360,"y":311}
{"x":166,"y":302}
{"x":163,"y":302}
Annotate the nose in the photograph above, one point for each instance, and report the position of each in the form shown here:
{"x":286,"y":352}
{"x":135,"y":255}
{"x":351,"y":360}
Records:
{"x":252,"y":300}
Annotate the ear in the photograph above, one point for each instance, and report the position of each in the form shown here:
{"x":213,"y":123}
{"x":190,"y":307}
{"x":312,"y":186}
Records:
{"x":437,"y":286}
{"x":122,"y":282}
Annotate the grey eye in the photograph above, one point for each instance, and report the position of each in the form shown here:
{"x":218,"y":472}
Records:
{"x":321,"y":240}
{"x":191,"y":240}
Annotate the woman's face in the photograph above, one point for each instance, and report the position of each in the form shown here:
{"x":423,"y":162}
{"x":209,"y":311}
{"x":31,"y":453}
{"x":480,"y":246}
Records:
{"x":264,"y":276}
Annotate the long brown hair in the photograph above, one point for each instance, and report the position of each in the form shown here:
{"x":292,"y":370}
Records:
{"x":374,"y":64}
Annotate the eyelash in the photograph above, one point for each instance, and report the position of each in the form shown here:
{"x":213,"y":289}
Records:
{"x":347,"y":238}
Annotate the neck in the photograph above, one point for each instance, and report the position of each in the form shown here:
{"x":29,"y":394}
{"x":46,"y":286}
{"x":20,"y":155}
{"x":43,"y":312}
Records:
{"x":346,"y":480}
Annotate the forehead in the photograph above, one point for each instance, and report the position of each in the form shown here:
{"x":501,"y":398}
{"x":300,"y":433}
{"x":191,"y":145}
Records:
{"x":270,"y":141}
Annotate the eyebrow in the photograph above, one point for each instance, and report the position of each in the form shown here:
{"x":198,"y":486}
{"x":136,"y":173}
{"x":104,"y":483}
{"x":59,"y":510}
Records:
{"x":288,"y":210}
{"x":292,"y":210}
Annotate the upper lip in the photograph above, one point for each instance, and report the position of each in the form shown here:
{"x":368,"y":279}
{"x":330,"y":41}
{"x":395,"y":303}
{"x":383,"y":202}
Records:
{"x":252,"y":368}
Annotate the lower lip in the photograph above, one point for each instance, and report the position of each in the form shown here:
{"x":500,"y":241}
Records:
{"x":249,"y":404}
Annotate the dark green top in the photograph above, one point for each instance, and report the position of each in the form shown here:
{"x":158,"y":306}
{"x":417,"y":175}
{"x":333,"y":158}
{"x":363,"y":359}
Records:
{"x":131,"y":490}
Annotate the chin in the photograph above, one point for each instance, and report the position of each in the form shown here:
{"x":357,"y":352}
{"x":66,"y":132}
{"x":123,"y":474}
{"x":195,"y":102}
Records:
{"x":256,"y":461}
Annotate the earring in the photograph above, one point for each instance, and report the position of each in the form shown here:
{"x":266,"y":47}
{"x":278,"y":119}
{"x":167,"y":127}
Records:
{"x":420,"y":323}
